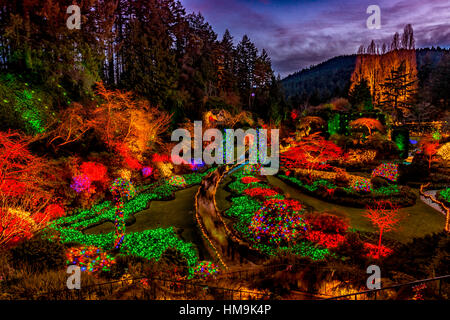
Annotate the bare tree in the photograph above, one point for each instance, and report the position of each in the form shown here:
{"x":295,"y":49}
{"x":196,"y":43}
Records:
{"x":408,"y":41}
{"x":395,"y":45}
{"x":371,"y":48}
{"x":361,"y":49}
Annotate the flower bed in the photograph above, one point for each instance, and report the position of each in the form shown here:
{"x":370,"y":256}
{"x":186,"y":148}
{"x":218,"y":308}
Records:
{"x":326,"y":240}
{"x":248,"y":180}
{"x":206,"y":270}
{"x":267,"y":220}
{"x":372,"y":251}
{"x":260,"y":192}
{"x":360,"y":194}
{"x":386,"y":170}
{"x":273,"y":224}
{"x":150,"y":244}
{"x":90,"y":259}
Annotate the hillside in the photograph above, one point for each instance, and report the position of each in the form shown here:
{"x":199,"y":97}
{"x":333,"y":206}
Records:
{"x":331,"y":78}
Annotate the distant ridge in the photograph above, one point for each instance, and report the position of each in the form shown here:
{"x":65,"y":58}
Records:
{"x":331,"y":78}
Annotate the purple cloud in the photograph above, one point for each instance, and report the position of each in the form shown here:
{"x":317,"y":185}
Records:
{"x":297,"y":34}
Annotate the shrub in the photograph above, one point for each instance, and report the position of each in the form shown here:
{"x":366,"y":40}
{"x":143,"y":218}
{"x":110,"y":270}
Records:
{"x":342,"y":178}
{"x":353,"y":247}
{"x":444,"y":195}
{"x":376,"y":252}
{"x":95,"y":171}
{"x":379,"y":182}
{"x":326,"y":240}
{"x":249,"y":179}
{"x":386,"y":170}
{"x":260,"y":192}
{"x":362,"y":185}
{"x":39,"y":254}
{"x":277,"y":223}
{"x":327,"y":223}
{"x":422,"y":257}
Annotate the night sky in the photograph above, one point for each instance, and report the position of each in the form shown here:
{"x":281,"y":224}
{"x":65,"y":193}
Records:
{"x":298,"y":33}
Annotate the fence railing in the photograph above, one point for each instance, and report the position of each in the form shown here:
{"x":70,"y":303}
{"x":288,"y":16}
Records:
{"x":373,"y":294}
{"x":150,"y":289}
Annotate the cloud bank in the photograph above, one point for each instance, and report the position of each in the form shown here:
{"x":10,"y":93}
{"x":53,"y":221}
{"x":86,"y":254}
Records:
{"x":298,"y":34}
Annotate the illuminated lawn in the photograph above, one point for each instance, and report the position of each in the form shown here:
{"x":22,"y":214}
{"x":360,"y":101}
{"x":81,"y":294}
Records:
{"x":177,"y":213}
{"x":421,"y":220}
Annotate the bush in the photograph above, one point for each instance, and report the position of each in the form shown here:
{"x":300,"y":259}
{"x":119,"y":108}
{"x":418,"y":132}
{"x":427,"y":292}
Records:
{"x":422,"y":257}
{"x":39,"y":254}
{"x":327,"y":223}
{"x":379,"y":182}
{"x":341,"y":141}
{"x":353,"y":247}
{"x":122,"y":265}
{"x":342,"y":178}
{"x":402,"y":197}
{"x":444,"y":196}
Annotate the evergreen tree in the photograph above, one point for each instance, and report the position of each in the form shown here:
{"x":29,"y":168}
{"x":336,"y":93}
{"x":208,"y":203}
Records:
{"x":226,"y":63}
{"x":439,"y":87}
{"x":149,"y":66}
{"x":360,"y":95}
{"x":36,"y":42}
{"x":246,"y":54}
{"x":198,"y":68}
{"x":398,"y":91}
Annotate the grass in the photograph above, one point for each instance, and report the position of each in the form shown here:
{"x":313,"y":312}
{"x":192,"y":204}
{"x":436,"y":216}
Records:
{"x":178,"y":213}
{"x":222,"y":194}
{"x":421,"y":219}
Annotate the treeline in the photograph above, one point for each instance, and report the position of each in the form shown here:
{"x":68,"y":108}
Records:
{"x":151,"y":47}
{"x":330,"y":79}
{"x":320,"y":83}
{"x":406,"y":41}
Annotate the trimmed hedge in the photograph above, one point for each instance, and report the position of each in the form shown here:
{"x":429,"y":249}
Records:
{"x":444,"y":197}
{"x":347,"y":197}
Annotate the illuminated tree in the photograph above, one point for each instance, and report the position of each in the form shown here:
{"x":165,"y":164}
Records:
{"x":312,"y":152}
{"x":20,"y":218}
{"x":369,"y":123}
{"x":308,"y":122}
{"x":127,"y":126}
{"x":398,"y":90}
{"x":25,"y":189}
{"x":430,"y":149}
{"x":20,"y":171}
{"x":74,"y":123}
{"x":360,"y":96}
{"x":385,"y":216}
{"x":391,"y":85}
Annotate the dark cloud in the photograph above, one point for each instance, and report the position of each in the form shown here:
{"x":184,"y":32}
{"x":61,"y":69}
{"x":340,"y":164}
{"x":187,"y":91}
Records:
{"x":298,"y":34}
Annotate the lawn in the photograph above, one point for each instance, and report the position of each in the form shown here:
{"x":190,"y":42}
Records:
{"x":178,"y":213}
{"x":222,"y":194}
{"x":421,"y":219}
